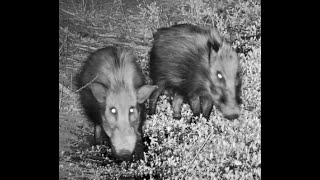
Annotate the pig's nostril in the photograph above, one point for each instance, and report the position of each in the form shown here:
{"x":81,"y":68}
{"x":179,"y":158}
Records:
{"x":232,"y":116}
{"x":124,"y":153}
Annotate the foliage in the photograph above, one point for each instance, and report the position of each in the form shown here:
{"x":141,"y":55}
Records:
{"x":238,"y":21}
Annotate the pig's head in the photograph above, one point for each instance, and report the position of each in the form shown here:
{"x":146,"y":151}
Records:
{"x":225,"y":80}
{"x":122,"y":118}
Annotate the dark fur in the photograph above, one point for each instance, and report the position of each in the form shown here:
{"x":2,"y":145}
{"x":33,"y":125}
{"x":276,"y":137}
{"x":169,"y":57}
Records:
{"x":187,"y":60}
{"x":119,"y":85}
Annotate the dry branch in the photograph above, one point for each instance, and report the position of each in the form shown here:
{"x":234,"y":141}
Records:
{"x":85,"y":46}
{"x":67,"y":12}
{"x":186,"y":172}
{"x":65,"y":90}
{"x":88,"y":83}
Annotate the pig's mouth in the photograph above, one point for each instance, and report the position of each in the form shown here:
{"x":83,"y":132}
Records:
{"x":123,"y":155}
{"x":127,"y":155}
{"x":229,"y":112}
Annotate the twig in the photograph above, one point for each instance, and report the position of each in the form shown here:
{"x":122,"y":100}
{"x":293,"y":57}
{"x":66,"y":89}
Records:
{"x":65,"y":89}
{"x":84,"y":46}
{"x":66,"y":30}
{"x":119,"y":175}
{"x":71,"y":79}
{"x":108,"y":35}
{"x":87,"y":83}
{"x":68,"y":92}
{"x":68,"y":12}
{"x":60,"y":101}
{"x":198,"y":152}
{"x":95,"y":27}
{"x":64,"y":42}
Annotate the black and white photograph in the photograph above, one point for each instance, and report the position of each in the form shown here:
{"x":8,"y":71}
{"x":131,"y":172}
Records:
{"x":160,"y":89}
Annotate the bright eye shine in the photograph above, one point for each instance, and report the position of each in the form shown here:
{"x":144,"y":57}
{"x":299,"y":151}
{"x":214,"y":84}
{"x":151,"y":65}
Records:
{"x":219,"y":76}
{"x":113,"y":110}
{"x":131,"y":110}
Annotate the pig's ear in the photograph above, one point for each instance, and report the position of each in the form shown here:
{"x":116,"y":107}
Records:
{"x":144,"y":92}
{"x":99,"y":92}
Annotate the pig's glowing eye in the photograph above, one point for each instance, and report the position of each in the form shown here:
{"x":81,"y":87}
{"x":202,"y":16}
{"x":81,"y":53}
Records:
{"x":113,"y":110}
{"x":219,"y":75}
{"x":131,"y":110}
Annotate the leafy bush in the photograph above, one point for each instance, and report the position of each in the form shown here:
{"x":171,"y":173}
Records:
{"x":238,"y":21}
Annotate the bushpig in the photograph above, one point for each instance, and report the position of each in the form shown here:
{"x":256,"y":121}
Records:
{"x":113,"y":99}
{"x":197,"y":65}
